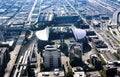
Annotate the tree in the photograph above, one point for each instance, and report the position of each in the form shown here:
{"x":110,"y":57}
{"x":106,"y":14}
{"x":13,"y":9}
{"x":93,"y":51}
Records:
{"x":70,"y":73}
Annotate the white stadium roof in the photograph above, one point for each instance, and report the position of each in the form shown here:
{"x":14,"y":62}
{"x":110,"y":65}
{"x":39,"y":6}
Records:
{"x":78,"y":33}
{"x":43,"y":34}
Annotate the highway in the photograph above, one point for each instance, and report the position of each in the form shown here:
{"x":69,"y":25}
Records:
{"x":114,"y":20}
{"x":14,"y":54}
{"x":23,"y":50}
{"x":23,"y":60}
{"x":31,"y":12}
{"x":39,"y":58}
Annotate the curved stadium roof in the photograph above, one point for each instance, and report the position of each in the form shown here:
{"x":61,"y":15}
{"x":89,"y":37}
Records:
{"x":78,"y":33}
{"x":43,"y":34}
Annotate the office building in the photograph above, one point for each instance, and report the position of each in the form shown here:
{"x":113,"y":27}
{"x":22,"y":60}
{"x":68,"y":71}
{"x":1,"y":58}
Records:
{"x":51,"y":56}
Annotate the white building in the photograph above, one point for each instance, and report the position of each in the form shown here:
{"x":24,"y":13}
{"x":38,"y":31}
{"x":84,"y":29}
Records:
{"x":55,"y":73}
{"x":79,"y":74}
{"x":78,"y":33}
{"x":51,"y":56}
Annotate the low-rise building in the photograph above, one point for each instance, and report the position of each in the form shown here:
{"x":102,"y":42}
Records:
{"x":97,"y":43}
{"x":76,"y":53}
{"x":96,"y":61}
{"x":110,"y":70}
{"x":79,"y":74}
{"x":93,"y":74}
{"x":55,"y":73}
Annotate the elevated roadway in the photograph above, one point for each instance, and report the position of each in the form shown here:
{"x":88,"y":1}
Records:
{"x":115,"y":19}
{"x":14,"y":54}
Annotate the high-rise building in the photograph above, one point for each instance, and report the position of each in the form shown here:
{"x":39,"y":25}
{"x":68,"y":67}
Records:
{"x":51,"y":56}
{"x":76,"y":55}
